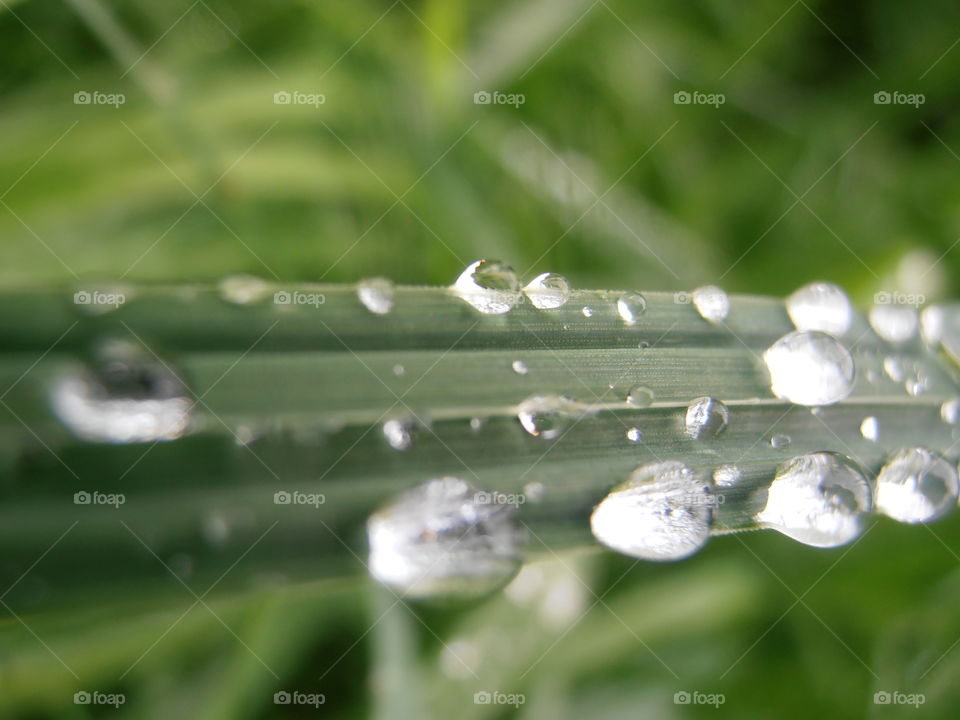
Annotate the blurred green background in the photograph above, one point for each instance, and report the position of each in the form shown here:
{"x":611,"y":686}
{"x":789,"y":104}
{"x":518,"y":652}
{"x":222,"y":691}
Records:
{"x":598,"y":174}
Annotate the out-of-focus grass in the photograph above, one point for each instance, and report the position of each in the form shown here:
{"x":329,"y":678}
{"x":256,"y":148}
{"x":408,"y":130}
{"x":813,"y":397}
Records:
{"x":398,"y":173}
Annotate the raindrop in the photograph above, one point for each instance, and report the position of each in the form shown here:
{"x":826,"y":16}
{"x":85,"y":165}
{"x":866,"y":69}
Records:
{"x":950,"y":411}
{"x":399,"y":370}
{"x":243,"y":289}
{"x":820,"y":306}
{"x":377,"y":295}
{"x":440,"y":539}
{"x":727,"y":476}
{"x":630,"y":307}
{"x":894,"y":323}
{"x":893,"y":368}
{"x":476,"y":424}
{"x":663,"y":512}
{"x":548,"y":291}
{"x":520,"y":367}
{"x":712,"y":303}
{"x":634,"y":435}
{"x":587,"y":311}
{"x":870,"y":428}
{"x":779,"y":442}
{"x":916,"y":486}
{"x":128,"y":397}
{"x":810,"y":368}
{"x":546,"y":416}
{"x":534,"y":491}
{"x":399,"y":433}
{"x":819,"y":499}
{"x":932,"y":322}
{"x":643,"y":345}
{"x":640,"y":396}
{"x":706,"y":418}
{"x":490,"y":286}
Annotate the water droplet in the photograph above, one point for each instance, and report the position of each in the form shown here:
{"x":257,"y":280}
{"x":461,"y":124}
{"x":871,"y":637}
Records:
{"x":490,"y":286}
{"x":779,"y":442}
{"x":128,"y":397}
{"x":663,"y":512}
{"x":950,"y":411}
{"x":399,"y":370}
{"x":640,"y":396}
{"x":587,"y":311}
{"x":894,"y":323}
{"x":809,"y":368}
{"x":893,"y":367}
{"x":476,"y":424}
{"x":819,"y":499}
{"x":534,"y":491}
{"x":712,"y":303}
{"x":438,"y":540}
{"x":243,"y":289}
{"x":916,"y":486}
{"x":377,"y":295}
{"x":870,"y":428}
{"x":933,"y":321}
{"x":630,"y":307}
{"x":216,"y":529}
{"x":548,"y":291}
{"x":643,"y":345}
{"x":706,"y":418}
{"x":634,"y":435}
{"x":520,"y":367}
{"x":726,"y":476}
{"x":399,"y":433}
{"x":546,"y":416}
{"x":820,"y":306}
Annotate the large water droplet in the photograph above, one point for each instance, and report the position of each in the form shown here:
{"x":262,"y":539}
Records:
{"x":377,"y":295}
{"x":128,"y":397}
{"x":546,"y":416}
{"x":640,"y":396}
{"x":819,"y":499}
{"x":712,"y":303}
{"x":820,"y":306}
{"x":548,"y":291}
{"x":663,"y":512}
{"x":630,"y":307}
{"x":490,"y":286}
{"x":916,"y":486}
{"x":706,"y":418}
{"x":442,"y":539}
{"x":809,"y":368}
{"x":243,"y":289}
{"x":894,"y":323}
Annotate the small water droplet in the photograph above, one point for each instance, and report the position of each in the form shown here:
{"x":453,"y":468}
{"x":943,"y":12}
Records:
{"x":640,"y":396}
{"x":127,"y":397}
{"x":663,"y":512}
{"x":727,"y":476}
{"x":534,"y":491}
{"x":870,"y":428}
{"x":399,"y":433}
{"x":634,"y":435}
{"x":437,"y":540}
{"x":399,"y":370}
{"x":587,"y":311}
{"x":712,"y":303}
{"x":476,"y":424}
{"x":546,"y":416}
{"x":643,"y":345}
{"x":630,"y":307}
{"x":893,"y":367}
{"x":933,"y":321}
{"x":520,"y":367}
{"x":820,"y":306}
{"x":243,"y":289}
{"x":490,"y":286}
{"x":950,"y":411}
{"x":216,"y":529}
{"x":894,"y":323}
{"x":779,"y":442}
{"x":377,"y":295}
{"x":548,"y":291}
{"x":810,"y":368}
{"x":819,"y":499}
{"x":916,"y":486}
{"x":706,"y":417}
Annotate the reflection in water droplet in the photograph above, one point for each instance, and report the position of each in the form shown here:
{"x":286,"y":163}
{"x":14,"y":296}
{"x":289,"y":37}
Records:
{"x":630,"y":307}
{"x":663,"y":512}
{"x":548,"y":291}
{"x":950,"y":411}
{"x":546,"y":416}
{"x":640,"y":396}
{"x":779,"y":442}
{"x":894,"y":323}
{"x":916,"y":486}
{"x":870,"y":428}
{"x":490,"y":286}
{"x":712,"y":303}
{"x":128,"y":397}
{"x":399,"y":433}
{"x":377,"y":295}
{"x":634,"y":435}
{"x":243,"y":289}
{"x":706,"y":418}
{"x":820,"y":306}
{"x":819,"y":499}
{"x":809,"y":368}
{"x":443,"y":539}
{"x":520,"y":367}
